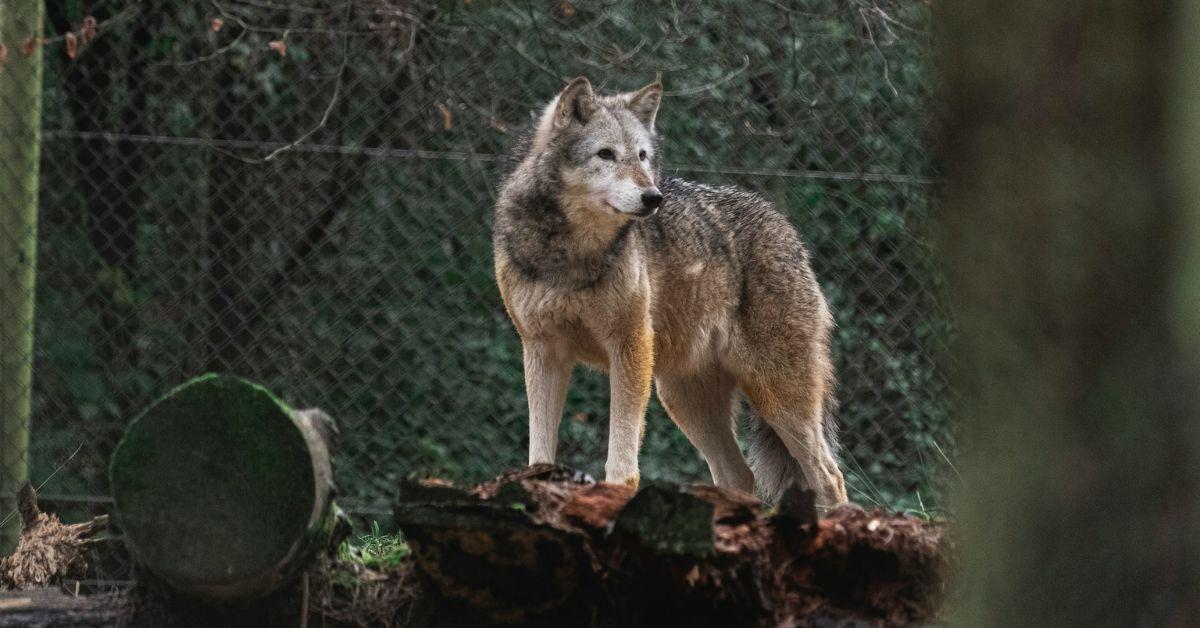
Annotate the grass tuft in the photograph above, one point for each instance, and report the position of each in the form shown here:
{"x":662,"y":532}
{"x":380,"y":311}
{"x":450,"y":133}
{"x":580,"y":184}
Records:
{"x":375,"y":550}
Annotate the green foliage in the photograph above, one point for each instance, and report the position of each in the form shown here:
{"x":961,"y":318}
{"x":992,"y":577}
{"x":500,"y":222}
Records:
{"x":393,"y":323}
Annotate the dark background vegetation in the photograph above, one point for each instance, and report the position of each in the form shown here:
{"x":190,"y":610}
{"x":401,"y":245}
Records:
{"x":300,"y":192}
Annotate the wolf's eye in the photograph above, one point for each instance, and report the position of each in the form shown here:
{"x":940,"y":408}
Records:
{"x":606,"y":153}
{"x":642,"y":155}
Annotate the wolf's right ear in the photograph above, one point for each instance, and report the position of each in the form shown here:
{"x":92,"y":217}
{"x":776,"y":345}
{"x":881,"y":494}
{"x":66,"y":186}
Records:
{"x":576,"y":103}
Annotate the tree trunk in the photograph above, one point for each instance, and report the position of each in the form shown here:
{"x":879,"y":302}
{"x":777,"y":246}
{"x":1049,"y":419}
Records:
{"x":228,"y":206}
{"x":110,"y":182}
{"x":87,"y":80}
{"x":1065,"y":233}
{"x":223,"y":491}
{"x":20,"y":133}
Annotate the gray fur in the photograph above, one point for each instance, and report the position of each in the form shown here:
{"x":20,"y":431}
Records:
{"x":733,"y":302}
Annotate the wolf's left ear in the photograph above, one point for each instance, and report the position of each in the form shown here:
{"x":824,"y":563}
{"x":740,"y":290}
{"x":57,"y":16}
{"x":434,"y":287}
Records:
{"x":644,"y":103}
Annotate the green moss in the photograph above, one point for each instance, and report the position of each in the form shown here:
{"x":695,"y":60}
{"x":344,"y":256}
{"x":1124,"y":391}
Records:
{"x":669,"y":521}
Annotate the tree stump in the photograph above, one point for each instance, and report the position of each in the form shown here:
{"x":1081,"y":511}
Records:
{"x":222,"y":490}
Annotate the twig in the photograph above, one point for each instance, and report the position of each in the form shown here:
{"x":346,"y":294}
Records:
{"x":212,"y":55}
{"x":618,"y":61}
{"x":333,"y":99}
{"x":39,"y":487}
{"x":946,"y":458}
{"x":304,"y":601}
{"x":708,"y":86}
{"x":287,"y":7}
{"x":524,"y":55}
{"x":882,"y":57}
{"x":893,"y":20}
{"x":123,"y":15}
{"x":345,"y":30}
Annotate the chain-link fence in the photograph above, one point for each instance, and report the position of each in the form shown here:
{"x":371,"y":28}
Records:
{"x":300,"y":192}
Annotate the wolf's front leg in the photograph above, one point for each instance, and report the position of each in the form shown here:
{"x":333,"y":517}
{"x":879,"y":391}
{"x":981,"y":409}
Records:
{"x":631,"y":366}
{"x":547,"y":374}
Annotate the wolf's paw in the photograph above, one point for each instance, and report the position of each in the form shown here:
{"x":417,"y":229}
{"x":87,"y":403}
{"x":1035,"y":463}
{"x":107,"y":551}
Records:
{"x":629,"y":480}
{"x":622,"y":470}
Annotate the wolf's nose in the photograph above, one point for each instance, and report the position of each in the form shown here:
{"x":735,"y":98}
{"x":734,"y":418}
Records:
{"x":651,"y":199}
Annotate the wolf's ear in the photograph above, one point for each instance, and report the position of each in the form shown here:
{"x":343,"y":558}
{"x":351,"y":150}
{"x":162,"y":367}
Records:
{"x":644,"y":103}
{"x":576,"y":103}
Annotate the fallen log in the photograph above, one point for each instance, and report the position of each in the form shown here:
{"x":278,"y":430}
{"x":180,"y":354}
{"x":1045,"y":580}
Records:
{"x":549,"y":546}
{"x":222,"y":491}
{"x":52,"y":608}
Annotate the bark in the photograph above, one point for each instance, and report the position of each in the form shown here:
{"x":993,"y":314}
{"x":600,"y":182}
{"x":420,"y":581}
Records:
{"x":53,"y":607}
{"x":548,"y":546}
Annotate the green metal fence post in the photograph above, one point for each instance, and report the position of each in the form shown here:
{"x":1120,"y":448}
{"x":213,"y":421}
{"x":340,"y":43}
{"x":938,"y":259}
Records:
{"x":20,"y":126}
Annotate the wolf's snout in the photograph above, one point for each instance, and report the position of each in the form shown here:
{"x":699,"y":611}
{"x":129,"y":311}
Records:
{"x":651,"y":198}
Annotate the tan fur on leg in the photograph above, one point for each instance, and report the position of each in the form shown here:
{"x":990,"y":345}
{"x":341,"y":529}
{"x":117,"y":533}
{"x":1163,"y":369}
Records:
{"x":631,"y":367}
{"x":701,"y":405}
{"x":547,"y":375}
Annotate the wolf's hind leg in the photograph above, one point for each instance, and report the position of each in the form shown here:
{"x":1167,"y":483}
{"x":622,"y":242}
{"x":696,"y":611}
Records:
{"x":795,"y":417}
{"x":702,"y":407}
{"x":547,"y":375}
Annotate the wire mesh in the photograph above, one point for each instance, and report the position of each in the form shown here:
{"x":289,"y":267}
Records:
{"x":300,"y":192}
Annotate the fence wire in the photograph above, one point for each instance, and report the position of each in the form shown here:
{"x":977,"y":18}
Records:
{"x":300,"y":192}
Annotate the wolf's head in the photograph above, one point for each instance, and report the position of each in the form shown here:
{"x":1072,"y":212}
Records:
{"x":603,"y":148}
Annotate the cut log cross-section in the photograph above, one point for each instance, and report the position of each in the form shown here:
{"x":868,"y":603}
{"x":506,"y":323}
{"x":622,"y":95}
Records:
{"x":222,"y":490}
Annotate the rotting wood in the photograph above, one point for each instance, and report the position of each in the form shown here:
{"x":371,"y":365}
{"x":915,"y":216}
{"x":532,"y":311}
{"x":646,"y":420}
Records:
{"x":549,"y":546}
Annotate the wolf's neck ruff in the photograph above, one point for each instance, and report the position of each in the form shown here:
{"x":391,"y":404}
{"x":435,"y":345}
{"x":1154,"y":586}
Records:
{"x":545,"y":247}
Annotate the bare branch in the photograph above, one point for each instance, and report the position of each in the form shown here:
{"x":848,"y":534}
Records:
{"x":125,"y":14}
{"x":333,"y":99}
{"x":887,"y":78}
{"x":708,"y":86}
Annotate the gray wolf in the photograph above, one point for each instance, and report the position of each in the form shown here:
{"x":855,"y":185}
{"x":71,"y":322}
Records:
{"x":706,"y":290}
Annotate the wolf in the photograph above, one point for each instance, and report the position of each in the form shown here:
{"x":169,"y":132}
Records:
{"x":705,"y":290}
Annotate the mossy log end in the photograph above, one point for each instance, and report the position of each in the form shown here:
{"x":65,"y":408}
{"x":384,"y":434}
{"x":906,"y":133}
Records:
{"x":222,"y":490}
{"x":548,"y":546}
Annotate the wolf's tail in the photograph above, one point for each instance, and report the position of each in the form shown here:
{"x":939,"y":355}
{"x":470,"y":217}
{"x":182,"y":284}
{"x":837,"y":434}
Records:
{"x":773,"y":465}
